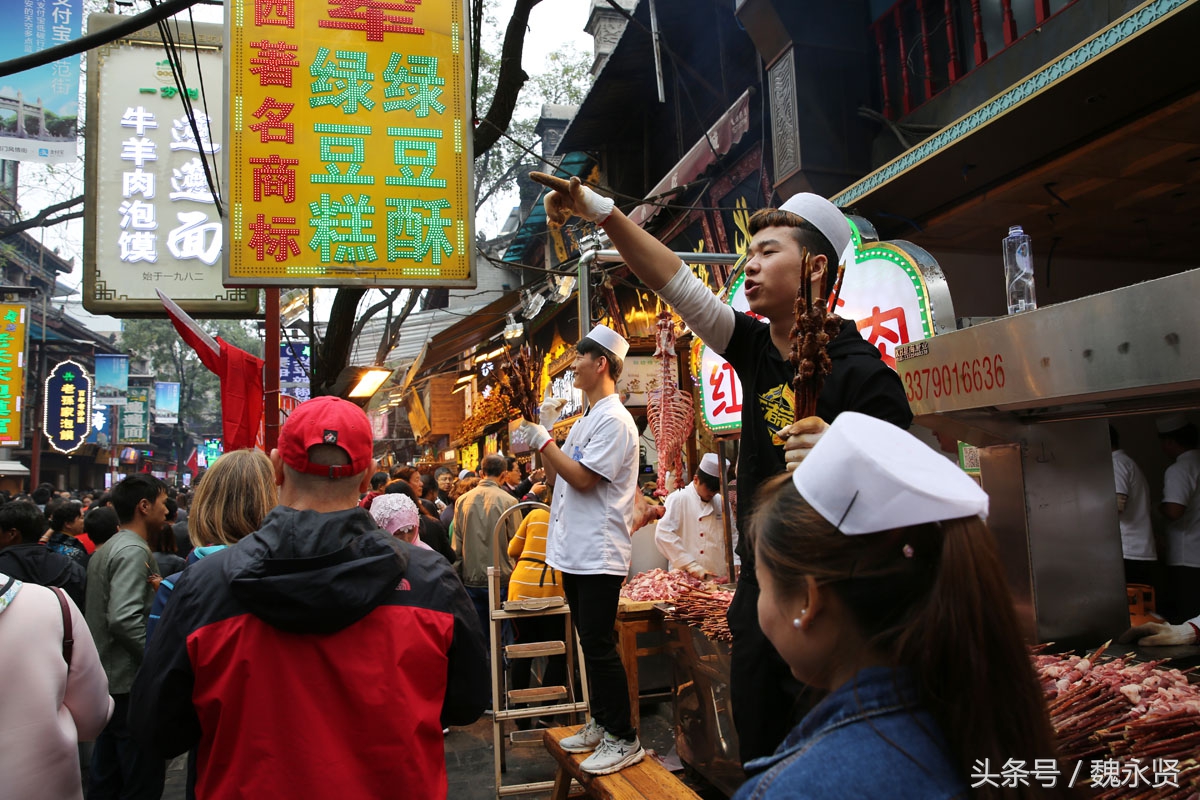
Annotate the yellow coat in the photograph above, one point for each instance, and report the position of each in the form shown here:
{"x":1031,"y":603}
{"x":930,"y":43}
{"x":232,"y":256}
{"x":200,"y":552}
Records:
{"x":532,"y":577}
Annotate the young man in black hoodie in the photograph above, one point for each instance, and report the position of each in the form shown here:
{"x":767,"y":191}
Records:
{"x":21,"y":557}
{"x":757,"y":346}
{"x":321,"y":656}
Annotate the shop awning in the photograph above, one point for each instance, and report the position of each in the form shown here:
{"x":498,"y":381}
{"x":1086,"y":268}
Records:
{"x":723,"y":135}
{"x":534,"y":225}
{"x":484,"y":324}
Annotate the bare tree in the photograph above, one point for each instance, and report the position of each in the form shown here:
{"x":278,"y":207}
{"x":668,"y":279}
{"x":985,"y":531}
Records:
{"x":332,"y":354}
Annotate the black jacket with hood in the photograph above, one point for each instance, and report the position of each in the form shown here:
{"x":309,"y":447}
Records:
{"x":34,"y":563}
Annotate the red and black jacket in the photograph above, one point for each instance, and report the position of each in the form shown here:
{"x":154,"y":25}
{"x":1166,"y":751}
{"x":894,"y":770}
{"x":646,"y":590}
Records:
{"x":319,"y":657}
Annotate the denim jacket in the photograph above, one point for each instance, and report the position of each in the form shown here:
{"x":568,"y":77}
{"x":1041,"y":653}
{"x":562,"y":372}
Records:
{"x":868,"y":739}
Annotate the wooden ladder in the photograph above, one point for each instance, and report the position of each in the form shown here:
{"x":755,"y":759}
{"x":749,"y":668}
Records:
{"x":547,"y":700}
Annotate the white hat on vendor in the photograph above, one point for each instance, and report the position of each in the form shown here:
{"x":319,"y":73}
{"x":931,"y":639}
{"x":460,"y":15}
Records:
{"x":710,"y":465}
{"x":1169,"y":423}
{"x":610,"y":340}
{"x":866,"y":476}
{"x":824,"y":216}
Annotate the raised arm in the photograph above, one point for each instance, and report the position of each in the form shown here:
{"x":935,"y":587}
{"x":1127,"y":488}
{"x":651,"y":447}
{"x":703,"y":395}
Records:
{"x":648,"y":258}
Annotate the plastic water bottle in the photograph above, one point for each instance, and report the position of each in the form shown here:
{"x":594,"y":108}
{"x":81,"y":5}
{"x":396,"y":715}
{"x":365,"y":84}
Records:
{"x":1018,"y":271}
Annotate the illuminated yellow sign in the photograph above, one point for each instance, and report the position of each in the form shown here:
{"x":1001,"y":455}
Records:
{"x":350,"y":143}
{"x":14,"y":321}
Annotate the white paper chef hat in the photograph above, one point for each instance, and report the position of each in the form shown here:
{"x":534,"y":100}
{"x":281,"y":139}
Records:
{"x":710,"y":465}
{"x":866,"y":475}
{"x":824,"y":216}
{"x":610,"y":340}
{"x":1170,"y":422}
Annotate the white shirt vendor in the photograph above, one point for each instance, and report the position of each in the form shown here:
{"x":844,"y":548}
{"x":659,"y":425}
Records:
{"x":1181,"y":485}
{"x":1137,"y":536}
{"x":691,"y":533}
{"x":590,"y":531}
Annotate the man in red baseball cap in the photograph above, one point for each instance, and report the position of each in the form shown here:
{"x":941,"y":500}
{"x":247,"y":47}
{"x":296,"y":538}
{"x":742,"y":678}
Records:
{"x":320,"y":656}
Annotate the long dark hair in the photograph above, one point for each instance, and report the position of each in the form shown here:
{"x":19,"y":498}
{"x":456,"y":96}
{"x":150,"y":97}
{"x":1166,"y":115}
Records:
{"x":941,"y":609}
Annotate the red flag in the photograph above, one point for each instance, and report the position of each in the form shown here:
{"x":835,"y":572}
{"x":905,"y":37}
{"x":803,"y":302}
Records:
{"x":193,"y":462}
{"x":241,"y":377}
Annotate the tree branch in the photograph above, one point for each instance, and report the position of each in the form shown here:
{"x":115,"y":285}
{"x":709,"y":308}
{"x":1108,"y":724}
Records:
{"x":508,"y":82}
{"x":334,"y":352}
{"x":42,"y":218}
{"x":392,"y":334}
{"x":387,"y":300}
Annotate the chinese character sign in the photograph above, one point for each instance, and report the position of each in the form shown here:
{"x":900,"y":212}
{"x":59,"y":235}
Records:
{"x":885,"y":291}
{"x":40,"y":106}
{"x":152,"y":169}
{"x":112,"y":379}
{"x":100,"y":431}
{"x":166,"y":403}
{"x":68,"y":407}
{"x":349,"y":144}
{"x":135,"y":417}
{"x":294,"y":359}
{"x":14,"y":319}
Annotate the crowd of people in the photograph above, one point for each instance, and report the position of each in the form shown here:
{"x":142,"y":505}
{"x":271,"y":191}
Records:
{"x":305,"y":596}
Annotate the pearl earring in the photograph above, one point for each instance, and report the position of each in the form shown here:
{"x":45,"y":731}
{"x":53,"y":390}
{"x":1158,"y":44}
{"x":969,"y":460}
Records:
{"x":796,"y":621}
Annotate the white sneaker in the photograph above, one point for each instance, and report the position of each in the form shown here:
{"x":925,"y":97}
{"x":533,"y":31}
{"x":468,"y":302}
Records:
{"x":613,"y":755}
{"x":585,"y":739}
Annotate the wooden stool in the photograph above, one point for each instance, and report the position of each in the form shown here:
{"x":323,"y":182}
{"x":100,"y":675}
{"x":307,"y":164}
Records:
{"x":646,"y":779}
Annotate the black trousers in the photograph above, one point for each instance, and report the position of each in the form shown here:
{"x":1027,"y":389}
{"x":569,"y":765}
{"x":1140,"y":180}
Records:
{"x":767,"y":700}
{"x":593,"y":600}
{"x":120,"y":769}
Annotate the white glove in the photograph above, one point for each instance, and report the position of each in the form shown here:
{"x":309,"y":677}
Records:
{"x":802,"y":436}
{"x":1160,"y":634}
{"x":695,"y":570}
{"x":536,"y":436}
{"x":550,"y":410}
{"x":582,"y":202}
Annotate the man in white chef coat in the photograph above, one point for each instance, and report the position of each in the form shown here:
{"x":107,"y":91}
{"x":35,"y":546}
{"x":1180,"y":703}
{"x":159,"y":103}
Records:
{"x":589,"y":539}
{"x":1181,"y":506}
{"x":691,"y":533}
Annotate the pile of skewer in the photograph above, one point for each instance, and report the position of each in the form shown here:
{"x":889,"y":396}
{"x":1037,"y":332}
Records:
{"x":815,"y":328}
{"x":1118,"y":710}
{"x":518,"y":380}
{"x":704,"y":609}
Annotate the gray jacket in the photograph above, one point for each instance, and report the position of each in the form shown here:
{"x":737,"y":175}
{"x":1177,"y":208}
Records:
{"x":118,"y":605}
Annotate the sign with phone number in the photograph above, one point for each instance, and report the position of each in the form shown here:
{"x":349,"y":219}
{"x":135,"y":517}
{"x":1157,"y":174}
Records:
{"x":952,"y":380}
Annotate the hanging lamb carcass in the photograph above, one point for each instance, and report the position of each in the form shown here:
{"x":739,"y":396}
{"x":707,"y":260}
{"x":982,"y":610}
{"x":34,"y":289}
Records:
{"x":669,"y":410}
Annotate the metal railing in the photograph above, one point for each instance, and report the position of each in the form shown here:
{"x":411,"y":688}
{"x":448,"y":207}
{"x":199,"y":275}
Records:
{"x":924,"y":46}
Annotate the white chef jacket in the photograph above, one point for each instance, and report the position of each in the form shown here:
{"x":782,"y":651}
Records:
{"x":590,"y":531}
{"x":1137,"y":537}
{"x":1181,"y":485}
{"x":693,"y":530}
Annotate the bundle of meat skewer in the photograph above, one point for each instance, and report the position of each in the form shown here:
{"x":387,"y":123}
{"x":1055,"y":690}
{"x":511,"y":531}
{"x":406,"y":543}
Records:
{"x":815,"y":328}
{"x":518,"y":380}
{"x":1116,"y":710}
{"x":659,"y":584}
{"x":704,"y":609}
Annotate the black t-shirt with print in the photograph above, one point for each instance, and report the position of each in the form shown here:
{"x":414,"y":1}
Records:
{"x":859,"y":381}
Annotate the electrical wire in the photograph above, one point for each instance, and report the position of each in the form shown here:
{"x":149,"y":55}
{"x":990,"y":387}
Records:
{"x":89,"y":41}
{"x":171,"y":48}
{"x":631,"y":200}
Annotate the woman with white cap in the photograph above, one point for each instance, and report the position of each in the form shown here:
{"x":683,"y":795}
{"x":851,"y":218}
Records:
{"x":881,"y":584}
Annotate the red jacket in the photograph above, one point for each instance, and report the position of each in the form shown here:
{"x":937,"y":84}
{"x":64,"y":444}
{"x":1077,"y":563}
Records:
{"x":319,"y":657}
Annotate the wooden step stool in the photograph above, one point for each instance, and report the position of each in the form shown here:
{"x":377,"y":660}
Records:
{"x":646,"y":779}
